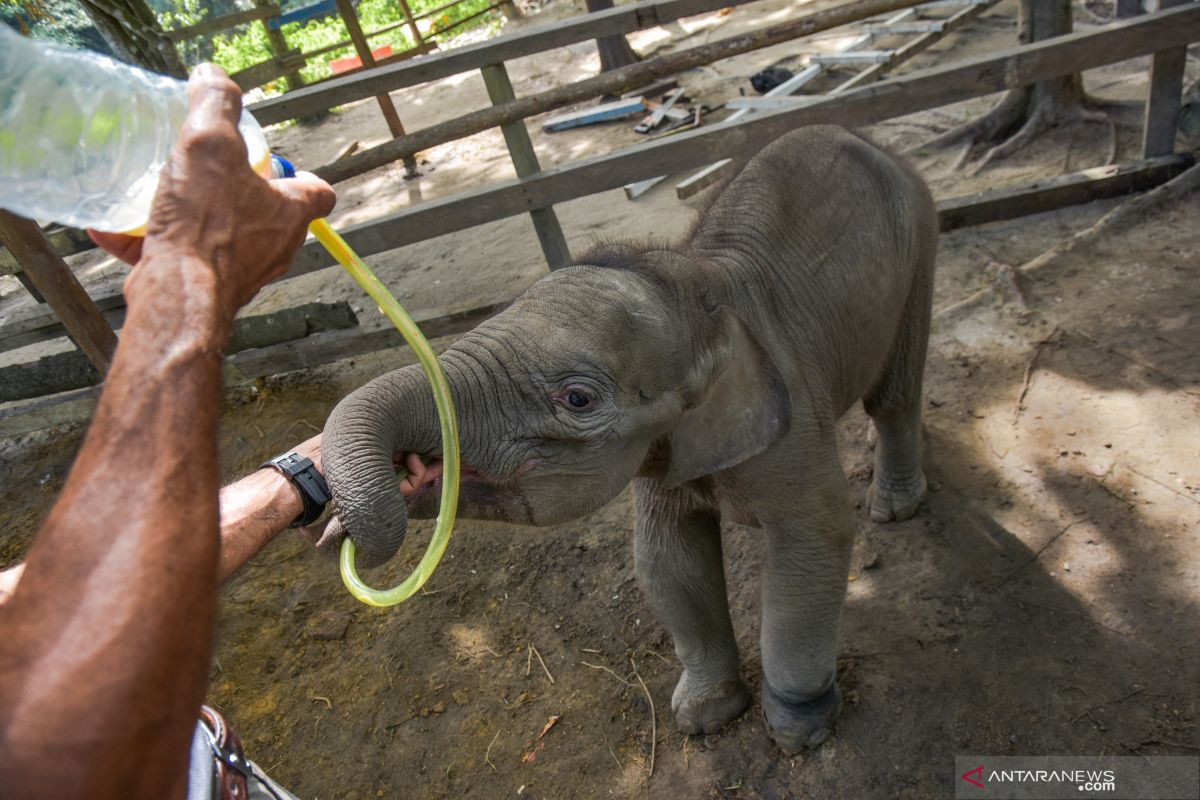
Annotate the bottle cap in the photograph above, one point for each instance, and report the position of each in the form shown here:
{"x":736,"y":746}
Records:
{"x":281,"y":167}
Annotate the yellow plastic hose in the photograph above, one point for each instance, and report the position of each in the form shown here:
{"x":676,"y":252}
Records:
{"x":362,"y":274}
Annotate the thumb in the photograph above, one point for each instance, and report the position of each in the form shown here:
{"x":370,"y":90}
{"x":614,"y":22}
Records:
{"x":314,"y":195}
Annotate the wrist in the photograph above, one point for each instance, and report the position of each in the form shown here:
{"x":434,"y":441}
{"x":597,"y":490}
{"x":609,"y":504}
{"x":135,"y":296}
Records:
{"x":180,"y":293}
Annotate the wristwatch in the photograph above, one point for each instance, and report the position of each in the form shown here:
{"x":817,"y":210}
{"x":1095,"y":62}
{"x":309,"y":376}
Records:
{"x":304,"y":476}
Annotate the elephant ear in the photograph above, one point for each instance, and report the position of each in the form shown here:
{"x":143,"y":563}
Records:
{"x":739,"y":406}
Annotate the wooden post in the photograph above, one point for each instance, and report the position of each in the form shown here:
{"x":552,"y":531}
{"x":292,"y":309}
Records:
{"x":54,"y":279}
{"x":279,"y":46}
{"x":520,"y":149}
{"x":385,"y":100}
{"x":418,"y":42}
{"x":1166,"y":94}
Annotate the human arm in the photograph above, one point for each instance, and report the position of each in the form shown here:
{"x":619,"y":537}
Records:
{"x":107,"y":635}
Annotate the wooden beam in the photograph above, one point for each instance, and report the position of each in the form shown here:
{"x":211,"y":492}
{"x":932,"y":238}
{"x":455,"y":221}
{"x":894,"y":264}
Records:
{"x":268,"y":71}
{"x":525,"y":162}
{"x":67,"y":241}
{"x":54,"y":279}
{"x":1076,"y":188}
{"x":1166,"y":92}
{"x":386,"y":106}
{"x":279,"y":46}
{"x":585,"y":27}
{"x":223,"y":23}
{"x":917,"y":91}
{"x":610,"y":82}
{"x":322,"y":348}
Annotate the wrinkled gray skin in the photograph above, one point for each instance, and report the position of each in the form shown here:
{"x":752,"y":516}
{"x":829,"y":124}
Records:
{"x":711,"y":374}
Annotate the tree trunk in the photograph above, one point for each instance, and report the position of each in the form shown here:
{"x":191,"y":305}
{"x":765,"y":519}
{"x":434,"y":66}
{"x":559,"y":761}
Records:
{"x":133,"y":33}
{"x":615,"y":51}
{"x":1025,"y":113}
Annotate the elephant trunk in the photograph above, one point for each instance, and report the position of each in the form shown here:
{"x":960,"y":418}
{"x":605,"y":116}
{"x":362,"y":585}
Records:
{"x":392,"y":414}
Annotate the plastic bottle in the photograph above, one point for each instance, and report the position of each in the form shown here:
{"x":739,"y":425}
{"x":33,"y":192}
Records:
{"x":83,"y":137}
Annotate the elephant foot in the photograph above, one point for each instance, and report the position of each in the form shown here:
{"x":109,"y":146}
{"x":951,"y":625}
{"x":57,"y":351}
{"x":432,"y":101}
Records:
{"x":891,"y":500}
{"x":707,"y":711}
{"x":797,"y":726}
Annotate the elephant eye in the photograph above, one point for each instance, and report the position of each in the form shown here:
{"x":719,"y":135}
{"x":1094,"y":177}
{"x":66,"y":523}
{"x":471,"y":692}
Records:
{"x":578,"y":398}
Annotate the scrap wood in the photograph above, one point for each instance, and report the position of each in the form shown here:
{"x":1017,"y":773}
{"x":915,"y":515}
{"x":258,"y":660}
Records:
{"x":652,"y":120}
{"x":617,"y":109}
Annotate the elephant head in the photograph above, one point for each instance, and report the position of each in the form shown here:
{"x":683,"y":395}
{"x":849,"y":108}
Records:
{"x":594,"y":375}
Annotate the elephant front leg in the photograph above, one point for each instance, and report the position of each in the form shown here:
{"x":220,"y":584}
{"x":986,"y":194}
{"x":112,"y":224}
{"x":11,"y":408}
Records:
{"x":678,"y":553}
{"x":804,"y":587}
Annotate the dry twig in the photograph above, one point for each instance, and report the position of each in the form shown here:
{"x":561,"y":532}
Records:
{"x":1037,"y":351}
{"x":653,"y":719}
{"x":545,"y":669}
{"x":487,"y":757}
{"x":609,"y":671}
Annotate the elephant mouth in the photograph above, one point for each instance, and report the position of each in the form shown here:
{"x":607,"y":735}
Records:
{"x":424,"y":479}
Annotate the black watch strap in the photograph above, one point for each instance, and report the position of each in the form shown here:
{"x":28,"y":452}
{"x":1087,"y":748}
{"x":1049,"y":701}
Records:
{"x":304,"y":476}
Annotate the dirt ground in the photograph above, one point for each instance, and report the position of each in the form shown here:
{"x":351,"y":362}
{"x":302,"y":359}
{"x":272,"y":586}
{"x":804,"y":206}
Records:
{"x":1046,"y":598}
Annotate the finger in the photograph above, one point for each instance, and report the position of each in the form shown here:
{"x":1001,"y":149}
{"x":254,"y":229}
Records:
{"x":416,"y":468}
{"x":315,"y":196}
{"x":119,"y":245}
{"x":212,"y":97}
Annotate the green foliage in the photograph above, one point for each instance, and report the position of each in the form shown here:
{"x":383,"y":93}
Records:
{"x":248,"y":45}
{"x":58,"y":20}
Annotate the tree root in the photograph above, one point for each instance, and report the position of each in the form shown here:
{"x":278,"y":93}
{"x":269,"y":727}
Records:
{"x":1120,"y":217}
{"x":1019,"y":118}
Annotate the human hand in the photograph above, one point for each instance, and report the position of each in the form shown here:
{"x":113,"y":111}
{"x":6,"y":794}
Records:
{"x":213,"y":213}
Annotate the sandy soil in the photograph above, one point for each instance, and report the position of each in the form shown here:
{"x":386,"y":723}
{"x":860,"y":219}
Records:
{"x":1044,"y":600}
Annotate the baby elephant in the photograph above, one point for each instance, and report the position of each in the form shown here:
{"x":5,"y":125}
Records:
{"x":711,"y":373}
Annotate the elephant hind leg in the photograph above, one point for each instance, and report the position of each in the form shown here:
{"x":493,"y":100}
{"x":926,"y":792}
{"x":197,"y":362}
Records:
{"x":894,"y":404}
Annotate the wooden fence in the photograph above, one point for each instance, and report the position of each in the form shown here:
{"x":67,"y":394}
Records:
{"x":1164,"y":34}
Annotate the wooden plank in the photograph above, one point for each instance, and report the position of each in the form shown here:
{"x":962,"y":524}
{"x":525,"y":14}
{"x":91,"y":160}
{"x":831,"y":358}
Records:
{"x":610,"y":82}
{"x":223,"y":23}
{"x":853,"y":57}
{"x":322,"y":348}
{"x":917,"y":45}
{"x":866,"y":105}
{"x":715,"y":172}
{"x":34,"y":323}
{"x":350,"y":18}
{"x":1076,"y":188}
{"x":320,"y":8}
{"x":53,"y":278}
{"x":525,"y":162}
{"x":66,"y":241}
{"x":268,"y":71}
{"x":585,"y":27}
{"x":915,"y":26}
{"x":279,"y":46}
{"x":605,"y":112}
{"x":1166,"y":93}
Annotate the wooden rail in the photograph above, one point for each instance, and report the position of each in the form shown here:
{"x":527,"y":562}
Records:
{"x":620,"y":20}
{"x":222,"y":23}
{"x":917,"y":91}
{"x":1160,"y":32}
{"x":611,"y":82}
